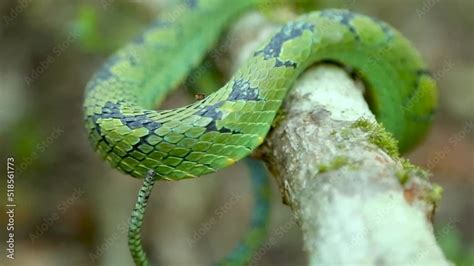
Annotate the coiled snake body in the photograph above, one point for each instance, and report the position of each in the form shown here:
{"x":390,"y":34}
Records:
{"x":230,"y":123}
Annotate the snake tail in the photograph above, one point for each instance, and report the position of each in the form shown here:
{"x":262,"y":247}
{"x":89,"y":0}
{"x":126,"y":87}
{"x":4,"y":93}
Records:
{"x":136,"y":221}
{"x":247,"y":246}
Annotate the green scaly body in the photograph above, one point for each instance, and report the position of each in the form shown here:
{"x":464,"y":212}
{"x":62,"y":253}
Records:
{"x":227,"y":125}
{"x":230,"y":123}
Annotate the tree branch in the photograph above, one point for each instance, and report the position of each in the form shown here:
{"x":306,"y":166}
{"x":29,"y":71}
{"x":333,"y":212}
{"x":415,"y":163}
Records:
{"x":356,"y":202}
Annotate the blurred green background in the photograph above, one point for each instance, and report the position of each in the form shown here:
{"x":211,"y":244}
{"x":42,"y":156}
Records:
{"x":72,"y":208}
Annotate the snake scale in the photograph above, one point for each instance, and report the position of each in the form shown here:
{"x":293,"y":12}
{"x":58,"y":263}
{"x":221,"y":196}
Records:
{"x":230,"y":123}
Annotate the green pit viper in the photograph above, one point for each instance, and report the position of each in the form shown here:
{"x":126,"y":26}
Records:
{"x":227,"y":125}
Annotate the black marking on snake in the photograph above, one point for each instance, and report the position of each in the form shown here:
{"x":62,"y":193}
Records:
{"x":213,"y":112}
{"x":344,"y":17}
{"x":420,"y":73}
{"x":94,"y":118}
{"x":133,"y":59}
{"x":385,"y":28}
{"x":288,"y":32}
{"x":106,"y":141}
{"x":103,"y":74}
{"x":241,"y":90}
{"x":112,"y":110}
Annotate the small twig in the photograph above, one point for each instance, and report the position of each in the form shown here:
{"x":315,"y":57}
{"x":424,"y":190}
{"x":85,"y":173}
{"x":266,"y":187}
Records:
{"x":136,"y":221}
